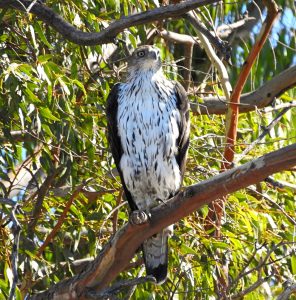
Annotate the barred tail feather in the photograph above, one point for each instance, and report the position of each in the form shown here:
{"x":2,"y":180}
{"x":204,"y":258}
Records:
{"x":155,"y":251}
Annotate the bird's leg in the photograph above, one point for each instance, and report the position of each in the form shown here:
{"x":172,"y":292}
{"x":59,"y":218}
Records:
{"x":138,"y":217}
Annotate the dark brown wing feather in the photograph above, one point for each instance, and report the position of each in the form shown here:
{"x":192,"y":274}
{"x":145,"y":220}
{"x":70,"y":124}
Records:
{"x":114,"y":139}
{"x":183,"y":139}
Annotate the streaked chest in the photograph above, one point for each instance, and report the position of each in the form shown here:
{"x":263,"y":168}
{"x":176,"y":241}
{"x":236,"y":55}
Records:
{"x":148,"y":121}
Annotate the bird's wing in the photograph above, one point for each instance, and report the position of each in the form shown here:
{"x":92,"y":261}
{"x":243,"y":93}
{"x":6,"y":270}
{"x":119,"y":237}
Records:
{"x":184,"y":126}
{"x":114,"y":138}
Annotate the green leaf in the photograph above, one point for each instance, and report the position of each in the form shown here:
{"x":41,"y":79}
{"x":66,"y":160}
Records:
{"x":293,"y":263}
{"x":44,"y":58}
{"x":32,"y":97}
{"x":41,"y":35}
{"x":133,"y":40}
{"x":47,"y":114}
{"x":188,"y":250}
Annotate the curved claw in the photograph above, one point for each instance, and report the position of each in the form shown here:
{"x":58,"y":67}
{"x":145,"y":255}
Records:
{"x":138,"y":217}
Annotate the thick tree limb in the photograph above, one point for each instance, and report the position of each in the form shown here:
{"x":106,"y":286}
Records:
{"x":116,"y":255}
{"x":259,"y":98}
{"x":107,"y":35}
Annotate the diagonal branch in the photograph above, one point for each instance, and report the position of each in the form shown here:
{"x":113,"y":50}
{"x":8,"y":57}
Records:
{"x":61,"y":219}
{"x":265,"y":131}
{"x":290,"y":288}
{"x":116,"y":255}
{"x":107,"y":35}
{"x":261,"y":97}
{"x":233,"y":111}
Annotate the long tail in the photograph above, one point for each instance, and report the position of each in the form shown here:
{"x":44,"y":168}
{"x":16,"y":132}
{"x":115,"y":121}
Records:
{"x":155,"y":251}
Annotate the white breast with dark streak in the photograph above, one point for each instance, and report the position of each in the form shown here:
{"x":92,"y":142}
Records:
{"x":148,"y":127}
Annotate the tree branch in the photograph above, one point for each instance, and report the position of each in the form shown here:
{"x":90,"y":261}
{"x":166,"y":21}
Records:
{"x":251,"y":288}
{"x":259,"y":98}
{"x":215,"y":60}
{"x":188,"y":52}
{"x":221,"y":46}
{"x":116,"y":255}
{"x":39,"y":202}
{"x":233,"y":110}
{"x":289,"y":289}
{"x":118,"y":286}
{"x":16,"y":230}
{"x":266,"y":130}
{"x":241,"y":29}
{"x":61,"y":218}
{"x":107,"y":35}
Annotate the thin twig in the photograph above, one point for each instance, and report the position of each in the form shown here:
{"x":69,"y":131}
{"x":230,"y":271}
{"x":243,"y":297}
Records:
{"x":177,"y":37}
{"x":280,"y":184}
{"x":188,"y":52}
{"x":216,"y":61}
{"x":251,"y":288}
{"x":219,"y":45}
{"x":262,"y":135}
{"x":39,"y":202}
{"x":16,"y":229}
{"x":62,"y":217}
{"x":109,"y":215}
{"x":279,"y":106}
{"x":115,"y":216}
{"x":260,"y":265}
{"x":265,"y":196}
{"x":7,"y":201}
{"x":133,"y":288}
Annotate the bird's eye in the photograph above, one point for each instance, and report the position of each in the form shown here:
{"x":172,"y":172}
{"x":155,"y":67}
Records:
{"x":141,"y":53}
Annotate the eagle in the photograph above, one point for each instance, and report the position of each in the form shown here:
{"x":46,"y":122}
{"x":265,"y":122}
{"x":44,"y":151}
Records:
{"x":148,"y":133}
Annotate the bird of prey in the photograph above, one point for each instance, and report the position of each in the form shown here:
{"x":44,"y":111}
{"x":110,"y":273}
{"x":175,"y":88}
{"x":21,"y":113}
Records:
{"x":148,"y":133}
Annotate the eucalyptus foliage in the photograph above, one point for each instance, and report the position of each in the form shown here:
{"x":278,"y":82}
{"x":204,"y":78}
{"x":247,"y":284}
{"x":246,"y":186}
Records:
{"x":53,"y":127}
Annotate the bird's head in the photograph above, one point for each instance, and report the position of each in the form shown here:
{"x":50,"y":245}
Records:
{"x":145,"y":58}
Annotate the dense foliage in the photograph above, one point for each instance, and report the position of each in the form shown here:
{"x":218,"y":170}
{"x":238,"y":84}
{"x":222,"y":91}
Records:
{"x":53,"y":139}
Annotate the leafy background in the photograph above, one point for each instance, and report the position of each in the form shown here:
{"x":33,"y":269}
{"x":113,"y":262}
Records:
{"x":50,"y":91}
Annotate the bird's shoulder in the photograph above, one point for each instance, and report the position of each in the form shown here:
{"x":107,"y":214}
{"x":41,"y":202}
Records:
{"x":183,"y":103}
